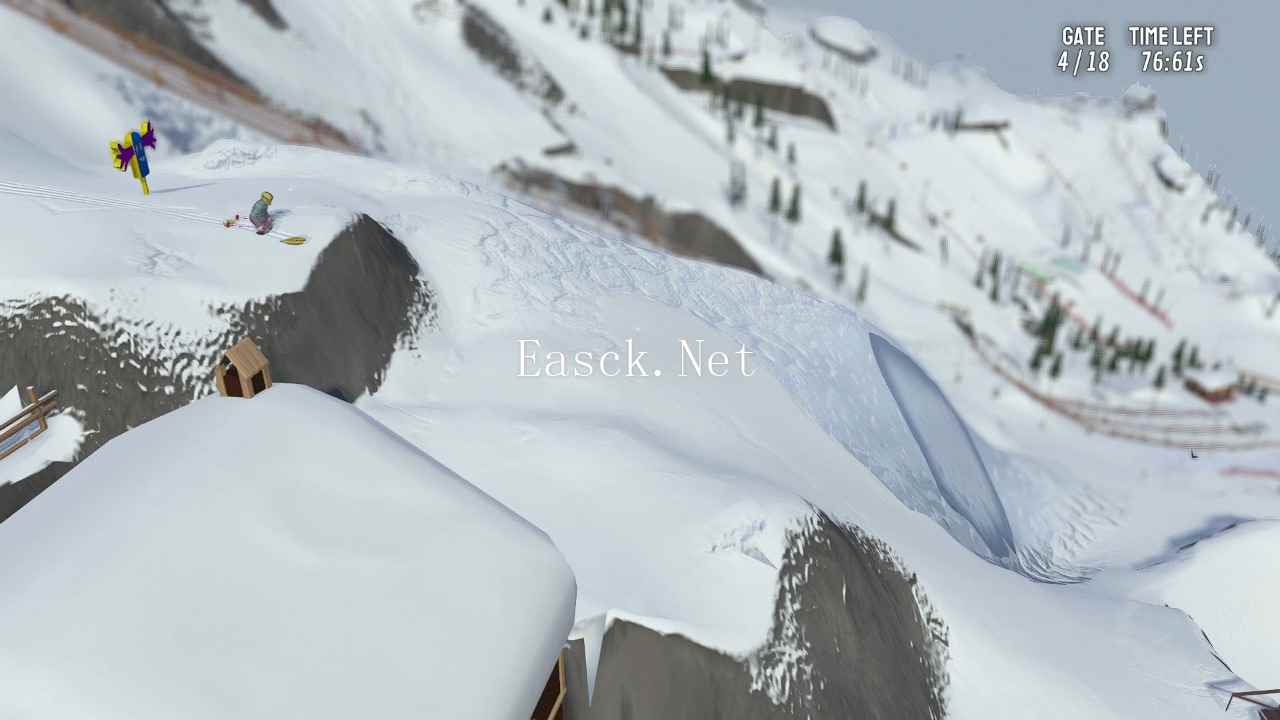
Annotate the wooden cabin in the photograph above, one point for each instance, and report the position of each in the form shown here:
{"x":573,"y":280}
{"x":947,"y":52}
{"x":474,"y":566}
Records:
{"x":1213,"y":396}
{"x":30,"y":422}
{"x":551,"y":703}
{"x":242,"y":371}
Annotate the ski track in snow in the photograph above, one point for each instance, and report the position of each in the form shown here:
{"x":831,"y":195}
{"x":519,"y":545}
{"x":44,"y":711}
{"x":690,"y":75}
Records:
{"x":542,"y":263}
{"x":106,"y":202}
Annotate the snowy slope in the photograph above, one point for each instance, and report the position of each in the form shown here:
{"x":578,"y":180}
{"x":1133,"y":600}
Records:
{"x":1223,"y":583}
{"x":713,"y":469}
{"x":671,"y":496}
{"x":293,"y":566}
{"x":685,"y":530}
{"x":1076,"y":169}
{"x":74,"y":103}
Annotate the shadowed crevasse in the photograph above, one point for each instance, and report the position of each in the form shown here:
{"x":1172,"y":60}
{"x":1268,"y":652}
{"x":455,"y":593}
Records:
{"x":363,"y":299}
{"x":853,"y":636}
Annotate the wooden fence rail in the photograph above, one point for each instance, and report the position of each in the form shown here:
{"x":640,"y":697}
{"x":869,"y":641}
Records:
{"x":36,"y":412}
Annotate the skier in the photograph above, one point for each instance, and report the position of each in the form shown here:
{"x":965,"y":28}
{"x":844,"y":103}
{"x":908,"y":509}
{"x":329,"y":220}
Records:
{"x":259,"y":215}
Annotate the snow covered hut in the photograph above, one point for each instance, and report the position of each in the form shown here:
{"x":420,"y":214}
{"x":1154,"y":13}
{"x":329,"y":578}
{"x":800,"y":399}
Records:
{"x":551,"y":702}
{"x":243,"y":371}
{"x":1213,"y":388}
{"x":268,"y":582}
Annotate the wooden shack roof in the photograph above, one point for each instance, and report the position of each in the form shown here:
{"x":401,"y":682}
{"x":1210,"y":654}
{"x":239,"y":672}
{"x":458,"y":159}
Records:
{"x":246,"y":357}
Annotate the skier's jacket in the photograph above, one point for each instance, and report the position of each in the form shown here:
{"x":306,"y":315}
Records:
{"x":259,"y":215}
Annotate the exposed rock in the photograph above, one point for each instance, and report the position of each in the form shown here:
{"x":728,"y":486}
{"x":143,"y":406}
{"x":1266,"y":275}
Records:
{"x":488,"y":39}
{"x":362,"y":299}
{"x":852,"y":637}
{"x":267,"y":12}
{"x":684,"y":233}
{"x":154,"y":21}
{"x":780,"y":98}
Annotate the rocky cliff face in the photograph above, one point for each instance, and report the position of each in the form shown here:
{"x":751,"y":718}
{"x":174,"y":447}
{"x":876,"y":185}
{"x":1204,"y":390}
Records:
{"x":155,"y":22}
{"x":689,"y":234}
{"x":362,"y":299}
{"x":853,"y":637}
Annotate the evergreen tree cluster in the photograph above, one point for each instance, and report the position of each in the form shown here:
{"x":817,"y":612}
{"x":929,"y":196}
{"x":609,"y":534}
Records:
{"x":1109,"y":353}
{"x":1185,"y":357}
{"x":1250,"y":387}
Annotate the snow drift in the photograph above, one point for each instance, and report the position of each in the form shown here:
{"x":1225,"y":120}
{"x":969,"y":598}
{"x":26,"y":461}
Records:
{"x":282,"y":556}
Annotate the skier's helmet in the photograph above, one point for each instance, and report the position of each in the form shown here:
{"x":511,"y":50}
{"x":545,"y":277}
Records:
{"x":267,"y":197}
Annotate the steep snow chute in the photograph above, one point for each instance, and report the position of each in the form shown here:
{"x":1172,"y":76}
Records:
{"x":947,"y":447}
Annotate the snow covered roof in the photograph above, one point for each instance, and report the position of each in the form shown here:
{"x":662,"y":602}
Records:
{"x":845,"y":36}
{"x":285,"y":556}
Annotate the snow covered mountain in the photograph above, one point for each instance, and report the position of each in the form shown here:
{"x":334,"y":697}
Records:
{"x":1024,"y":534}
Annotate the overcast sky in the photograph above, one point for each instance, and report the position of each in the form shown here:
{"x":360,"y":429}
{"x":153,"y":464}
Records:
{"x":1226,"y":116}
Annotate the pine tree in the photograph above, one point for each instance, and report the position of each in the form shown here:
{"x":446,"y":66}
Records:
{"x":730,"y":136}
{"x":1037,"y":359}
{"x":773,"y":138}
{"x":995,"y":278}
{"x":546,"y":15}
{"x":1056,"y":369}
{"x":1095,"y":332}
{"x":638,"y":42}
{"x":666,"y":44}
{"x":775,"y":196}
{"x":793,"y":208}
{"x":1114,"y":365}
{"x":707,"y":77}
{"x":1077,"y":339}
{"x":1114,"y":337}
{"x":791,"y":153}
{"x":860,"y":201}
{"x":864,"y":279}
{"x":759,"y":117}
{"x":1160,"y":378}
{"x":836,"y":256}
{"x":1194,"y":360}
{"x":591,"y":8}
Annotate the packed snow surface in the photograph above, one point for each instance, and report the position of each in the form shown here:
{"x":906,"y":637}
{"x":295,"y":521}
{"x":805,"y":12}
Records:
{"x":281,"y":556}
{"x":1227,"y":584}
